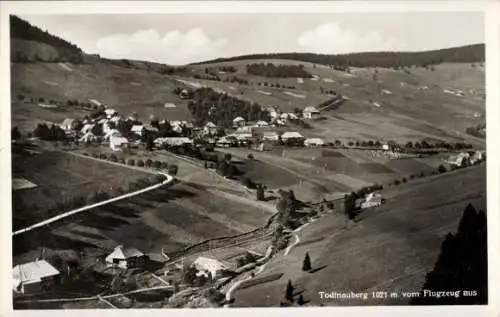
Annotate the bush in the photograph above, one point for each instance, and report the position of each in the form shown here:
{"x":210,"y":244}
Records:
{"x":164,"y":165}
{"x":122,"y":161}
{"x":131,"y":162}
{"x":102,"y":156}
{"x":94,"y":155}
{"x":404,"y":180}
{"x":157,"y":164}
{"x":442,"y":169}
{"x":173,"y":169}
{"x":140,"y":163}
{"x":149,"y":163}
{"x":250,"y":156}
{"x":397,"y":182}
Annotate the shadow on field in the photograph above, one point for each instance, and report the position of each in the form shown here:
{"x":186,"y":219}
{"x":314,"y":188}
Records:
{"x":44,"y":238}
{"x":149,"y":297}
{"x":87,"y":234}
{"x":317,"y":269}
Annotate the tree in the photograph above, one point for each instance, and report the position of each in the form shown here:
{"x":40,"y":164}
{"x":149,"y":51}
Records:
{"x":149,"y":143}
{"x":172,"y":169}
{"x":349,"y":205}
{"x":260,"y":192}
{"x":289,"y":291}
{"x":227,"y":157}
{"x":442,"y":169}
{"x":306,"y":263}
{"x":301,"y":301}
{"x":15,"y":134}
{"x":250,"y":157}
{"x":462,"y":263}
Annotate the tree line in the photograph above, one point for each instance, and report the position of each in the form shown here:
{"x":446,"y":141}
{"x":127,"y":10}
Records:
{"x":208,"y":105}
{"x":281,"y":71}
{"x":463,"y":54}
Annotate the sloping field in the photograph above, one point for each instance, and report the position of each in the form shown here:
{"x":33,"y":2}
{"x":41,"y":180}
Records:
{"x":389,"y":249}
{"x":408,"y":113}
{"x":108,"y":83}
{"x":61,"y":177}
{"x":169,"y":218}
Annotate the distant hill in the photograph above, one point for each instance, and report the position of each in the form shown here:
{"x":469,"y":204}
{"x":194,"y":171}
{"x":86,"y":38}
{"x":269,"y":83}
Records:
{"x":464,"y":54}
{"x":29,"y":43}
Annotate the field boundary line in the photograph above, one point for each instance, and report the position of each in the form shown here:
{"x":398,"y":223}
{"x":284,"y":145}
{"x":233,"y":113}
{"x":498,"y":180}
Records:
{"x":98,"y":204}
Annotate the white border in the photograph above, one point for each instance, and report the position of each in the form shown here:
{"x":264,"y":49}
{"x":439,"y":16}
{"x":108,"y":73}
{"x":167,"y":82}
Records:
{"x":492,"y":19}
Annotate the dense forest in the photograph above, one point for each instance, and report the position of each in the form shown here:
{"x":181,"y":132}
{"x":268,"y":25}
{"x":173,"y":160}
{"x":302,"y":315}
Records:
{"x":23,"y":30}
{"x":462,"y":265}
{"x":208,"y":105}
{"x":282,"y":71}
{"x":463,"y":54}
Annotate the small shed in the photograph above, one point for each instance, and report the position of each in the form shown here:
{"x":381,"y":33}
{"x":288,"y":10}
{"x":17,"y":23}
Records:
{"x":34,"y":276}
{"x":125,"y":257}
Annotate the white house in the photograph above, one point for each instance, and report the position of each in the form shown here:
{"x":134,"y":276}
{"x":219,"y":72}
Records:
{"x":458,"y":160}
{"x":261,"y":123}
{"x":173,"y":141}
{"x":68,"y":124}
{"x":89,"y":136}
{"x":314,"y":142}
{"x":270,"y":136}
{"x":210,"y":128}
{"x":111,"y":132}
{"x":138,"y":129}
{"x":115,"y":119}
{"x":125,"y":257}
{"x":110,"y":112}
{"x":87,"y":128}
{"x":32,"y":277}
{"x":372,"y":200}
{"x":117,"y":142}
{"x":209,"y":265}
{"x":239,"y":122}
{"x":291,"y":135}
{"x":288,"y":116}
{"x":310,"y":112}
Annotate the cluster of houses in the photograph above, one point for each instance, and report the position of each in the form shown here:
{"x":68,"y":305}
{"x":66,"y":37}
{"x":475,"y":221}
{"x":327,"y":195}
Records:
{"x":466,"y":158}
{"x":260,"y":133}
{"x":38,"y":276}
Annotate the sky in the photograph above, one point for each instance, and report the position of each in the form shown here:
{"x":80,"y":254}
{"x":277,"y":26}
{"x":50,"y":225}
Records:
{"x":178,"y":39}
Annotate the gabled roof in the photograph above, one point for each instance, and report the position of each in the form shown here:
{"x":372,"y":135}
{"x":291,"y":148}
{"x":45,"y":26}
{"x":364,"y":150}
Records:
{"x":115,"y":119}
{"x":238,"y":119}
{"x":290,"y":135}
{"x":33,"y":272}
{"x":123,"y":253}
{"x":314,"y":141}
{"x":88,"y":127}
{"x":118,"y":140}
{"x":310,"y":109}
{"x":67,"y":122}
{"x":210,"y":125}
{"x":137,"y":128}
{"x":261,"y":122}
{"x":110,"y":112}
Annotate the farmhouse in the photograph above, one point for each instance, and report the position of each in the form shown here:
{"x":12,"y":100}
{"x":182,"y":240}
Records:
{"x":87,"y":137}
{"x":69,"y":125}
{"x":226,"y":141}
{"x":239,"y":122}
{"x":261,"y":123}
{"x":213,"y":266}
{"x":314,"y":142}
{"x":310,"y":113}
{"x":372,"y":200}
{"x":288,"y":116}
{"x":115,"y":119}
{"x":210,"y":128}
{"x":270,"y":136}
{"x":110,"y":112}
{"x":170,"y":105}
{"x":125,"y":257}
{"x":138,"y":129}
{"x":110,"y":133}
{"x":87,"y":128}
{"x":292,"y":138}
{"x":34,"y":276}
{"x":117,"y":142}
{"x":458,"y":160}
{"x":173,"y":141}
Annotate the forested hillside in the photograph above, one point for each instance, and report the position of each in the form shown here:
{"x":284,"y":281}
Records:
{"x":463,"y":54}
